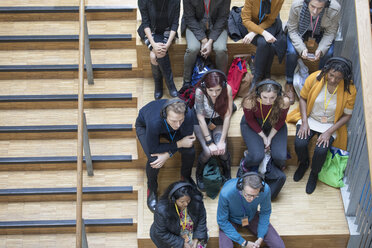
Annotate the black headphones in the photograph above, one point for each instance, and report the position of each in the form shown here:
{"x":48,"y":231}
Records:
{"x":224,"y":84}
{"x":240,"y":182}
{"x":269,"y":81}
{"x":163,"y":111}
{"x":177,"y":187}
{"x":327,"y":4}
{"x":346,"y":61}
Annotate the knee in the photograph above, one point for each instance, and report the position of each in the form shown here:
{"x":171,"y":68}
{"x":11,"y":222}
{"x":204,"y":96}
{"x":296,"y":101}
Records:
{"x":300,"y":143}
{"x":254,"y":159}
{"x":320,"y":150}
{"x":219,"y":48}
{"x":279,"y":158}
{"x":188,"y":151}
{"x":153,"y":58}
{"x":193,"y":48}
{"x":261,"y":42}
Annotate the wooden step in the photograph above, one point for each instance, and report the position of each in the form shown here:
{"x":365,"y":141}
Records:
{"x":66,"y":101}
{"x":66,"y":226}
{"x":315,"y":217}
{"x":65,"y":131}
{"x":95,"y":240}
{"x":28,"y":64}
{"x":66,"y":13}
{"x":67,"y":194}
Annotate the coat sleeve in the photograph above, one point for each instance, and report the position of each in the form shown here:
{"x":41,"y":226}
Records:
{"x":163,"y":234}
{"x":200,"y":231}
{"x":292,"y":25}
{"x":275,"y":9}
{"x":176,"y":19}
{"x":330,"y":31}
{"x":265,"y":212}
{"x":145,"y":13}
{"x":153,"y":141}
{"x":189,"y":14}
{"x":221,"y":21}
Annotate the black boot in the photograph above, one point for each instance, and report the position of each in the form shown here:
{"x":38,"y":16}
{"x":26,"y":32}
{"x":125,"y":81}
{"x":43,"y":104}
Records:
{"x":158,"y":80}
{"x":311,"y":182}
{"x":165,"y":67}
{"x":199,"y":175}
{"x":152,"y":200}
{"x":226,"y":166}
{"x":300,"y":171}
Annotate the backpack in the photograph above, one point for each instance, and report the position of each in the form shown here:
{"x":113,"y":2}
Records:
{"x":187,"y":94}
{"x":212,"y":178}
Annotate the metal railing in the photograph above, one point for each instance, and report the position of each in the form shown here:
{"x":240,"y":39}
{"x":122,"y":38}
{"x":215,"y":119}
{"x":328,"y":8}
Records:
{"x":355,"y":43}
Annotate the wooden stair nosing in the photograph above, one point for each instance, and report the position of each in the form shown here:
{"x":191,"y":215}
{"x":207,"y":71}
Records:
{"x":65,"y":223}
{"x":58,"y":38}
{"x":65,"y":128}
{"x":71,"y":190}
{"x":67,"y":97}
{"x":65,"y":9}
{"x":63,"y":159}
{"x":71,"y":67}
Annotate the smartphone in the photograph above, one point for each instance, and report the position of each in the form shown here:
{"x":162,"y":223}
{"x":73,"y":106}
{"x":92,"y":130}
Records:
{"x":311,"y":56}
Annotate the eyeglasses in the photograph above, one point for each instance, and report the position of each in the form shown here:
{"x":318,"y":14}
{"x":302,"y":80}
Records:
{"x":248,"y":195}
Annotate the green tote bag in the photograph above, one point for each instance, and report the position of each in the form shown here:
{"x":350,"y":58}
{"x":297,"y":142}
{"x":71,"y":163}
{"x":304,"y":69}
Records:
{"x":333,"y":169}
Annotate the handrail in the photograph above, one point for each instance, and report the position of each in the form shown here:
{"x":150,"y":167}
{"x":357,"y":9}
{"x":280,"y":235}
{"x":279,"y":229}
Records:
{"x":79,"y":174}
{"x":365,"y":55}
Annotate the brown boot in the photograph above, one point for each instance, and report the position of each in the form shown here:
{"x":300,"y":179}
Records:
{"x":290,"y":92}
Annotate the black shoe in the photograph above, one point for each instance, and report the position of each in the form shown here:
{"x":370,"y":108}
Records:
{"x":226,"y":167}
{"x":158,"y":80}
{"x":166,"y":70}
{"x":299,"y":174}
{"x":311,"y":182}
{"x":152,"y":200}
{"x":199,"y":175}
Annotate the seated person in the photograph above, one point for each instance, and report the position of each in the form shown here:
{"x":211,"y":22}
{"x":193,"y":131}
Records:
{"x":237,"y":207}
{"x":263,"y":128}
{"x":261,"y":18}
{"x":326,"y":104}
{"x":205,"y":24}
{"x":213,"y":106}
{"x":158,"y":29}
{"x":180,"y":218}
{"x":171,"y":120}
{"x":311,"y":21}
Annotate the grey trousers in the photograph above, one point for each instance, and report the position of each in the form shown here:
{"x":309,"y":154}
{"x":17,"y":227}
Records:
{"x":193,"y":49}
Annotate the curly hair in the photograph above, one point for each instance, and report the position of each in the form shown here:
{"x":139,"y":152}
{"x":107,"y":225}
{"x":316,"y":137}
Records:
{"x":340,"y":66}
{"x":211,"y":80}
{"x":252,"y":96}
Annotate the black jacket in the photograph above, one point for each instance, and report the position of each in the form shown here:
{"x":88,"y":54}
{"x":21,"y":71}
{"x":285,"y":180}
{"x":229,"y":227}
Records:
{"x":193,"y":13}
{"x":148,"y":14}
{"x":165,"y":231}
{"x":235,"y":27}
{"x":150,"y":118}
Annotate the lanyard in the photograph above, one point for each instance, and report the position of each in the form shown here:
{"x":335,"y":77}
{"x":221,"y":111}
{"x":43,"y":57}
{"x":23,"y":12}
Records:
{"x":243,"y":208}
{"x":264,"y":119}
{"x":183,"y":223}
{"x":313,"y":27}
{"x":207,"y":9}
{"x":325,"y":97}
{"x":260,"y":18}
{"x":171,"y":137}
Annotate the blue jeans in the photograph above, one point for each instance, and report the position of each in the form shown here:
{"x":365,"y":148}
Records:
{"x":292,"y":56}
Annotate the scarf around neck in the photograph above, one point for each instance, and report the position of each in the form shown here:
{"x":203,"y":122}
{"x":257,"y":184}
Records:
{"x":305,"y":20}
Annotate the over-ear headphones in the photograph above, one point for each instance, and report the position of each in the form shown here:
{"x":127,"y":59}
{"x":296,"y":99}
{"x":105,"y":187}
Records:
{"x":346,"y":61}
{"x":163,"y":111}
{"x":224,"y":84}
{"x":268,"y":81}
{"x":177,"y":187}
{"x":327,"y":3}
{"x":240,"y":182}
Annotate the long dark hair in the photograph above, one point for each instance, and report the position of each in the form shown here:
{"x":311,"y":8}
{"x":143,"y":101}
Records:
{"x":277,"y":105}
{"x":213,"y":79}
{"x":169,"y":201}
{"x":340,"y":66}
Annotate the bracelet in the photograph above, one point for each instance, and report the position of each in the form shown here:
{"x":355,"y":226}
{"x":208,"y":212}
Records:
{"x":245,"y":243}
{"x":209,"y":142}
{"x":207,"y":135}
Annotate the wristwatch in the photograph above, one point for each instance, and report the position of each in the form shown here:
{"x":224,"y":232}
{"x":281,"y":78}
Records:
{"x":209,"y":142}
{"x":170,"y":154}
{"x":245,"y":243}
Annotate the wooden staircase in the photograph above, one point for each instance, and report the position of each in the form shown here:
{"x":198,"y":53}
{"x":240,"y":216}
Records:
{"x":38,"y":116}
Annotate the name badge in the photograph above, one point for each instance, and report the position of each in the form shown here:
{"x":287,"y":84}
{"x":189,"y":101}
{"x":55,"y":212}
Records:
{"x":245,"y":221}
{"x":211,"y":126}
{"x":311,"y":42}
{"x":324,"y":119}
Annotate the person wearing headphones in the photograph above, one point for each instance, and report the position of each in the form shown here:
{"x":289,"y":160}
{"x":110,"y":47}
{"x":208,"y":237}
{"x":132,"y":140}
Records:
{"x":314,"y":22}
{"x":180,"y":218}
{"x":263,"y":128}
{"x":326,"y":105}
{"x":238,"y":207}
{"x":213,"y":107}
{"x":167,"y":119}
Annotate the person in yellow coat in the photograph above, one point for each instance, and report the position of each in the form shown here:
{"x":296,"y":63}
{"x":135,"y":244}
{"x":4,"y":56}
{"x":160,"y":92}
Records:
{"x":326,"y":105}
